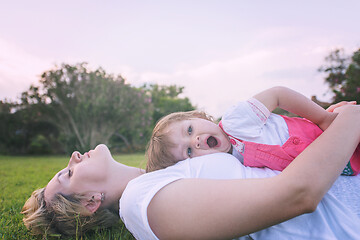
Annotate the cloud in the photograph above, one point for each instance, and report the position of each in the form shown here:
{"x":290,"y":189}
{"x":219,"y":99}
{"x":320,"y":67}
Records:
{"x":215,"y":85}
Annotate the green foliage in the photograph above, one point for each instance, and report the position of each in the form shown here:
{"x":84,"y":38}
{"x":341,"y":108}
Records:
{"x":89,"y":107}
{"x":11,"y":129}
{"x":19,"y":126}
{"x":343,"y":75}
{"x":39,"y":145}
{"x":75,"y":108}
{"x":283,"y":112}
{"x":167,"y":99}
{"x":21,"y":175}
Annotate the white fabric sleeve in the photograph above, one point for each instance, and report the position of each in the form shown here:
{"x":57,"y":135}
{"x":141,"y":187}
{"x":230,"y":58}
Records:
{"x":139,"y":193}
{"x":134,"y":204}
{"x":245,"y":119}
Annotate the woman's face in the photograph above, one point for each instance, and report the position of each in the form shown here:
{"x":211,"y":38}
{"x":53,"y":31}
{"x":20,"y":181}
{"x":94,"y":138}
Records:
{"x":84,"y":173}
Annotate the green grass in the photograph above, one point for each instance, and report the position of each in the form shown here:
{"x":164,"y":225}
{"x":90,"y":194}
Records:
{"x":19,"y":176}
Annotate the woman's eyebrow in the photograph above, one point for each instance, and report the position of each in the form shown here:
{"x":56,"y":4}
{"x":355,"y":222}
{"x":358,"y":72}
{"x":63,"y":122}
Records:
{"x":58,"y":177}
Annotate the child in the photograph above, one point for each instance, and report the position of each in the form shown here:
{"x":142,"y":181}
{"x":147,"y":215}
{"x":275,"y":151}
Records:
{"x":248,"y":130}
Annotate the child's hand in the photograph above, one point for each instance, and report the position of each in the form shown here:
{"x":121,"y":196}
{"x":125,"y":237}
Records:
{"x":339,"y":104}
{"x":332,"y":112}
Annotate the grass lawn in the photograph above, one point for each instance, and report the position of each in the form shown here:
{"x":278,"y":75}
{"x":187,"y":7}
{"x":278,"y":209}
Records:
{"x":19,"y":176}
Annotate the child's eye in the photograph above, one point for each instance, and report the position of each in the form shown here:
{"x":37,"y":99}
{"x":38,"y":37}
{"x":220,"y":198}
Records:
{"x":70,"y":172}
{"x":190,"y":130}
{"x":189,"y":152}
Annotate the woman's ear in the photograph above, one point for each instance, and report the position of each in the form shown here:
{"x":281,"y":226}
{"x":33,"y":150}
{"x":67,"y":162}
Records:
{"x":92,"y":202}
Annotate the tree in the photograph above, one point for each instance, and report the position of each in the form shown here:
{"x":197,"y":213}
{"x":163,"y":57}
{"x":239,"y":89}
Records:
{"x":89,"y":107}
{"x":166,"y":99}
{"x":343,"y":75}
{"x":21,"y":128}
{"x":12,"y":137}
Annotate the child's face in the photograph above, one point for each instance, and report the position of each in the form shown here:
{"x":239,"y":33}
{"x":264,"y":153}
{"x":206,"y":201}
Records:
{"x":197,"y":137}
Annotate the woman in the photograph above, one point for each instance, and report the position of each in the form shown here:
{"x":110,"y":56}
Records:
{"x":171,"y":204}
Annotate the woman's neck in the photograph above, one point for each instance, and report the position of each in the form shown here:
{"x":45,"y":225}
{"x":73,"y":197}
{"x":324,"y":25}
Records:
{"x":121,"y":175}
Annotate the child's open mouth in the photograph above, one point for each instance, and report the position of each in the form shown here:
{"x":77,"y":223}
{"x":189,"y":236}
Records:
{"x":211,"y":142}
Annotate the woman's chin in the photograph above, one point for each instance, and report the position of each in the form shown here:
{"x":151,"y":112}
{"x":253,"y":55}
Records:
{"x":101,"y":146}
{"x":101,"y":150}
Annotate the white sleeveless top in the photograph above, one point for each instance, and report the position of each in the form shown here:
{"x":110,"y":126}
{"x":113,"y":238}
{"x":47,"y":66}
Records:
{"x":331,"y":220}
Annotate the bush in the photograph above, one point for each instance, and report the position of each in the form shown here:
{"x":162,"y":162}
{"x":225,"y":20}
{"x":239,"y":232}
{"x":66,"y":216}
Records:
{"x":39,"y":145}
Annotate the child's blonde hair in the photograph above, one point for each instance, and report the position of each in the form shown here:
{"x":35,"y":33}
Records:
{"x":158,"y":150}
{"x":64,"y":215}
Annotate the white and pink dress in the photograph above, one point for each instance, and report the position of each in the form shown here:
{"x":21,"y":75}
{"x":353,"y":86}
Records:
{"x":263,"y":139}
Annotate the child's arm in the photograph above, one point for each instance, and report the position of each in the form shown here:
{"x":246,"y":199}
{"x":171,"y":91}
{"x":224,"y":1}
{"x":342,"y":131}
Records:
{"x":297,"y":103}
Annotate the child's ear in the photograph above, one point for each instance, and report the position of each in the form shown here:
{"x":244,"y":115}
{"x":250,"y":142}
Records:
{"x":92,"y":202}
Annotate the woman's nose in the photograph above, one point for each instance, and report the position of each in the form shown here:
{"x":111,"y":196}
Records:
{"x":76,"y":157}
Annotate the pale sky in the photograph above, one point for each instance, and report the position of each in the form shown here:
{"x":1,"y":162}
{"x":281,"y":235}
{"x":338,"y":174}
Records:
{"x":222,"y":51}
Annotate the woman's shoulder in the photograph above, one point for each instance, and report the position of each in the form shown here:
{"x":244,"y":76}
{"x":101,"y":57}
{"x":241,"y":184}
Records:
{"x":138,"y":194}
{"x":150,"y":183}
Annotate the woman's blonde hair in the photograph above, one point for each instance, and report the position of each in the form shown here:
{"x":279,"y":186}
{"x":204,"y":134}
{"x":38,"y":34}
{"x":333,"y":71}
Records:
{"x":64,"y":215}
{"x":158,"y":149}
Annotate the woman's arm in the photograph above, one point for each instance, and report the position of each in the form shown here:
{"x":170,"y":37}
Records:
{"x":297,"y":103}
{"x":221,"y":209}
